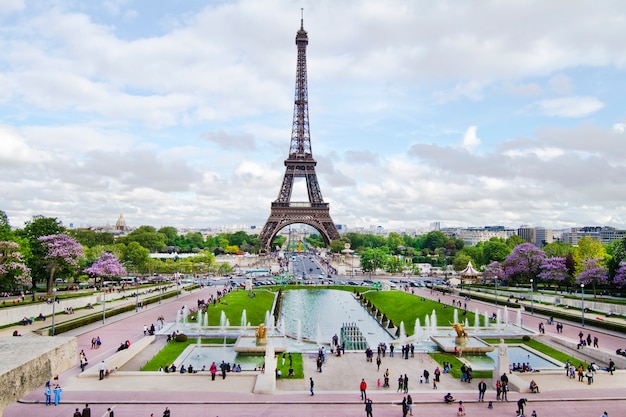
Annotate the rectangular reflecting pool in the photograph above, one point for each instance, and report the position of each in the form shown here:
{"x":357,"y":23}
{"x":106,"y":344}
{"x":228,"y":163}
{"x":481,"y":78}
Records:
{"x":517,"y":354}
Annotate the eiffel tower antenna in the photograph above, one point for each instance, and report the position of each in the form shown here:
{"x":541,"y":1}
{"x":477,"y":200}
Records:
{"x":300,"y":164}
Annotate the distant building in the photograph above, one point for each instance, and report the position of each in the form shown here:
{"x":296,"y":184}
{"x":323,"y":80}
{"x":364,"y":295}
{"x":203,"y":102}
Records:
{"x":602,"y":234}
{"x":120,"y":224}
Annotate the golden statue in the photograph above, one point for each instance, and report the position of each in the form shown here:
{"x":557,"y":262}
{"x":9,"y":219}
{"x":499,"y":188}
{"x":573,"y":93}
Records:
{"x":261,"y":333}
{"x":460,"y":331}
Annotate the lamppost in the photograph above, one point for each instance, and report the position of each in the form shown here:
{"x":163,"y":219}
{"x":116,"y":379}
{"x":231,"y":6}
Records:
{"x":582,"y":288}
{"x":136,"y":299}
{"x":54,"y":301}
{"x":177,"y":280}
{"x":532,"y":297}
{"x":104,"y":300}
{"x":496,"y":289}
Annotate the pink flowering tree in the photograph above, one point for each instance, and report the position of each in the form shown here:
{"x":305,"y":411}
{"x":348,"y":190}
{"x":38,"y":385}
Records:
{"x":553,"y":270}
{"x":524,"y":263}
{"x":107,"y":266}
{"x":62,"y":252}
{"x":493,"y":271}
{"x":619,"y":280}
{"x":13,"y":270}
{"x":593,"y":273}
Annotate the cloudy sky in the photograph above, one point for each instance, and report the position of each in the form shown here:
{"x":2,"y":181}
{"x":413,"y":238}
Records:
{"x":179,"y":112}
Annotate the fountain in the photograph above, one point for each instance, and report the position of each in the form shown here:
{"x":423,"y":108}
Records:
{"x":402,"y":334}
{"x":464,"y":343}
{"x":486,"y":320}
{"x":518,"y":320}
{"x":433,"y":322}
{"x":476,"y":321}
{"x":223,"y":321}
{"x":455,"y":316}
{"x":417,"y":330}
{"x":506,"y":315}
{"x":318,"y":336}
{"x":299,"y":331}
{"x":244,"y":319}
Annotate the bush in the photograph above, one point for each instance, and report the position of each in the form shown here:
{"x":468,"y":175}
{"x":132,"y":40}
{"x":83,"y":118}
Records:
{"x":181,"y":337}
{"x":526,"y":338}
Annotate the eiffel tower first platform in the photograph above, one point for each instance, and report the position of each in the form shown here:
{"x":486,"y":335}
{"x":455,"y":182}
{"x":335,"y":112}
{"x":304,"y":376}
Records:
{"x":300,"y":164}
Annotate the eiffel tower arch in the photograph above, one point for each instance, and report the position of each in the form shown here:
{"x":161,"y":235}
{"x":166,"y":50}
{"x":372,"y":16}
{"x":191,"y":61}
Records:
{"x":300,"y":164}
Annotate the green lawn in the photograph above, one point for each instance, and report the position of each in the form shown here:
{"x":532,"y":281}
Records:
{"x":235,"y":302}
{"x":298,"y":369}
{"x":455,"y":372}
{"x":173,"y":349}
{"x":538,"y":346}
{"x":405,"y":307}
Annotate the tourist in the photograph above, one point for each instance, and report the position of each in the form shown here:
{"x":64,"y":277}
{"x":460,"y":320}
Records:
{"x":409,"y":404}
{"x":48,"y":394}
{"x":86,"y":411}
{"x":102,"y":367}
{"x":166,"y":413}
{"x":213,"y":370}
{"x":363,"y":387}
{"x":405,"y":408}
{"x":77,"y":413}
{"x":461,"y":411}
{"x":57,"y":394}
{"x":482,"y":388}
{"x":110,"y":412}
{"x":534,"y":388}
{"x":520,"y":406}
{"x":368,"y":407}
{"x":312,"y":384}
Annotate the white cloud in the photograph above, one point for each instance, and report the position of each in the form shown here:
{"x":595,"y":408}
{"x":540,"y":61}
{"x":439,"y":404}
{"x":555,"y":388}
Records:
{"x":470,"y":139}
{"x":570,"y":106}
{"x":619,"y":127}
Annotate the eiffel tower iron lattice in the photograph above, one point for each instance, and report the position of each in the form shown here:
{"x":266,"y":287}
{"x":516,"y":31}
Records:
{"x":300,"y":164}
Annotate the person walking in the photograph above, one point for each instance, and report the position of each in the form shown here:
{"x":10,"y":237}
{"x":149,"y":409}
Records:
{"x":166,"y":412}
{"x":409,"y":404}
{"x":77,"y":413}
{"x":405,"y":407}
{"x":312,"y":385}
{"x":368,"y":407}
{"x":110,"y":412}
{"x":378,"y":362}
{"x":406,"y":384}
{"x":363,"y":387}
{"x":86,"y":411}
{"x":482,"y":388}
{"x":426,"y":375}
{"x":213,"y":370}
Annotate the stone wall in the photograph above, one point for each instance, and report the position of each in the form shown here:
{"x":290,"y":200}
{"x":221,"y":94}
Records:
{"x":29,"y":361}
{"x":10,"y":315}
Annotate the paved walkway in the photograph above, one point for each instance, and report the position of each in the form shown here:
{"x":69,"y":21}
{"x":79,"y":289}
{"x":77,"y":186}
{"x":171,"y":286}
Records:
{"x":336,"y":388}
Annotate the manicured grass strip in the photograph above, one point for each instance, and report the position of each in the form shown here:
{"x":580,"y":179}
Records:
{"x":173,"y":349}
{"x":405,"y":307}
{"x":538,"y":346}
{"x":235,"y":302}
{"x":455,"y":372}
{"x":298,"y":369}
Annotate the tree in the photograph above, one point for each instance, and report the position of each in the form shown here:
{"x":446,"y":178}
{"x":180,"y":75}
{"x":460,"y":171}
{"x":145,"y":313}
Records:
{"x":62,"y":252}
{"x":461,"y":261}
{"x":524,"y":263}
{"x":373,"y":259}
{"x":107,"y":266}
{"x":13,"y":271}
{"x":495,"y":250}
{"x":493,"y":271}
{"x":39,"y":226}
{"x":588,"y":248}
{"x":136,"y":255}
{"x":5,"y":227}
{"x":92,"y":238}
{"x":171,"y":233}
{"x":558,"y":249}
{"x":553,"y":270}
{"x":434,"y":240}
{"x":592,"y":272}
{"x":619,"y":280}
{"x":146,"y":236}
{"x":617,"y":250}
{"x":514,"y":241}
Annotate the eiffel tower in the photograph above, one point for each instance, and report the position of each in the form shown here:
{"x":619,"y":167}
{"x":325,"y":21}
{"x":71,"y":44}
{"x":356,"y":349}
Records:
{"x":300,"y":164}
